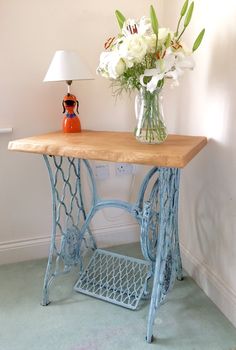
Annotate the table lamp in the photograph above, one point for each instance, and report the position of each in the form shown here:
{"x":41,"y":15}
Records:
{"x":67,"y":66}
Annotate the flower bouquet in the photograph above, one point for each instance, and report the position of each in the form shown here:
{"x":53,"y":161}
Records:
{"x":141,"y":57}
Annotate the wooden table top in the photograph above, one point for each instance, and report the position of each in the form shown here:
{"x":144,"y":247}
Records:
{"x":111,"y":146}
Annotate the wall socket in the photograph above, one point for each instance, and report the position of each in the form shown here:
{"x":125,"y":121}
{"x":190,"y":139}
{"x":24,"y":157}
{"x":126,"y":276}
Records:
{"x":123,"y":169}
{"x":102,"y":171}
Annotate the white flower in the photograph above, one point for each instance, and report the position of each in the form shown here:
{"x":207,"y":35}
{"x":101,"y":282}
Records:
{"x":130,"y":27}
{"x":156,"y":76}
{"x":158,"y":73}
{"x":162,"y":34}
{"x":167,"y":62}
{"x":133,"y":49}
{"x":142,"y":27}
{"x":120,"y":67}
{"x":184,"y":48}
{"x":171,"y":66}
{"x":151,"y":42}
{"x":137,"y":47}
{"x":111,"y":65}
{"x":145,"y":27}
{"x":182,"y":62}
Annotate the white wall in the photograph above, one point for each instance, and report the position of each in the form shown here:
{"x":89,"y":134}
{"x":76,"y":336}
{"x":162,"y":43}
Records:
{"x":30,"y":32}
{"x":205,"y":104}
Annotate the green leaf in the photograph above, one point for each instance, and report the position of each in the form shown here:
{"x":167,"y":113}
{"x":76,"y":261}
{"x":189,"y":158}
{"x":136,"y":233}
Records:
{"x":120,"y":18}
{"x":182,"y":13}
{"x":189,"y":15}
{"x":198,"y":41}
{"x":184,"y":8}
{"x":154,"y":20}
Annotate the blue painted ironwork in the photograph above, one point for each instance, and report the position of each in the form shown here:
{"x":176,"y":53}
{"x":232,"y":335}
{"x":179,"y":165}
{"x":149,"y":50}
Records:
{"x":168,"y":264}
{"x":67,"y":244}
{"x":156,"y":210}
{"x":115,"y":278}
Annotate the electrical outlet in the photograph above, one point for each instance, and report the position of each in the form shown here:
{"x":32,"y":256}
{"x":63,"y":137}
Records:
{"x":102,"y":171}
{"x":123,"y":169}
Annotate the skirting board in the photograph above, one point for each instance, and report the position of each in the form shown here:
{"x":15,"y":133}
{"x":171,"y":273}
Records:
{"x":221,"y":295}
{"x":38,"y":248}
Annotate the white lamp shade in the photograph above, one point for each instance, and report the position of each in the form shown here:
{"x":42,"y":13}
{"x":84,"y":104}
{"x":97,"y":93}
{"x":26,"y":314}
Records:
{"x":65,"y":66}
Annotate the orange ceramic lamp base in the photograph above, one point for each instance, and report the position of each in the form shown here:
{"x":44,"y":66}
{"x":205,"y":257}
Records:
{"x":71,"y":122}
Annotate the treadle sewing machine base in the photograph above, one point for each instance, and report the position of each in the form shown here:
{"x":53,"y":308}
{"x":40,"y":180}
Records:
{"x":109,"y":276}
{"x":115,"y":278}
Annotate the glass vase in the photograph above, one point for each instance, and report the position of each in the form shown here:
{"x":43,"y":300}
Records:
{"x":151,"y":127}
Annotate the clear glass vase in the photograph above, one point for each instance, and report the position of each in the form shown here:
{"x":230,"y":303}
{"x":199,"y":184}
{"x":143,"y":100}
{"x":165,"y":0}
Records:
{"x":151,"y":127}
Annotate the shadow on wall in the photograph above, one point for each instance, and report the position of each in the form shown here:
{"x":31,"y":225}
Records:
{"x":214,"y":210}
{"x":211,"y":204}
{"x":222,"y":83}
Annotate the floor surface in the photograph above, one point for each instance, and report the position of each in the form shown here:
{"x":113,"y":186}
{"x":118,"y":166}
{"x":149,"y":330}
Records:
{"x":73,"y":321}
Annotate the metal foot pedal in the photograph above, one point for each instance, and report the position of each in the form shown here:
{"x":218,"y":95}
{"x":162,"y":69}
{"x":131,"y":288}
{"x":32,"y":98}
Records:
{"x":115,"y":278}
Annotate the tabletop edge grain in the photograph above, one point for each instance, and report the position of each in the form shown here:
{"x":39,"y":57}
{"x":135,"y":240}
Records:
{"x":180,"y":150}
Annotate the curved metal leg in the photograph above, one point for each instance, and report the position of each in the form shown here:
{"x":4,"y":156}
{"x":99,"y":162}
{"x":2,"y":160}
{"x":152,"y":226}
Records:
{"x":179,"y":268}
{"x":168,"y":260}
{"x":158,"y":218}
{"x":47,"y":279}
{"x":67,"y":244}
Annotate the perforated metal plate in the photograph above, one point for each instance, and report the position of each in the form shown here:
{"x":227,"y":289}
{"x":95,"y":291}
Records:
{"x":115,"y":278}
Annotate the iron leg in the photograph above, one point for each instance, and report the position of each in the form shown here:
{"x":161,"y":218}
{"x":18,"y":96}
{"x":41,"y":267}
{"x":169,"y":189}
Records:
{"x":168,"y":264}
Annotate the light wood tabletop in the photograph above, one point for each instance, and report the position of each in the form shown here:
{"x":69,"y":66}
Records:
{"x":111,"y":146}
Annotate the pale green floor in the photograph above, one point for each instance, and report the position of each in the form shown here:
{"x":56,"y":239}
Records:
{"x":188,"y":321}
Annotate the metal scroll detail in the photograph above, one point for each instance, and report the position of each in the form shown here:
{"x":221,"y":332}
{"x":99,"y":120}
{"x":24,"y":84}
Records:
{"x":156,"y":211}
{"x":67,"y":243}
{"x":150,"y":223}
{"x":115,"y":278}
{"x":71,"y":246}
{"x":168,"y":263}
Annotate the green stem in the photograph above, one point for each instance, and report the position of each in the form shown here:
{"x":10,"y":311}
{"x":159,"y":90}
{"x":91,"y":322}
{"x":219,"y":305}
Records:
{"x":152,"y":129}
{"x":177,"y":29}
{"x":181,"y":34}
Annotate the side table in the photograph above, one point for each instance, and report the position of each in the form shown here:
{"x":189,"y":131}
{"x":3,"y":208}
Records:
{"x":108,"y":276}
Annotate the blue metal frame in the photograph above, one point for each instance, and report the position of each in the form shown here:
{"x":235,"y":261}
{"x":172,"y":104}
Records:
{"x":156,"y":211}
{"x":115,"y":278}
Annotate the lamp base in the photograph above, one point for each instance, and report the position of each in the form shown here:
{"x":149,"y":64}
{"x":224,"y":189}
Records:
{"x":71,"y":124}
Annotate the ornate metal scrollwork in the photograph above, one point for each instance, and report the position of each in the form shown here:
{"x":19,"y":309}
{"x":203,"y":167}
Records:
{"x":150,"y":224}
{"x":71,"y":246}
{"x":69,"y":216}
{"x":168,"y":262}
{"x":156,"y":211}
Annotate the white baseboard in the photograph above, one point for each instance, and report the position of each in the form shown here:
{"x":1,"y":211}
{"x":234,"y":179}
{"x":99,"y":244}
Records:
{"x":216,"y":289}
{"x":37,"y":248}
{"x":117,"y":235}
